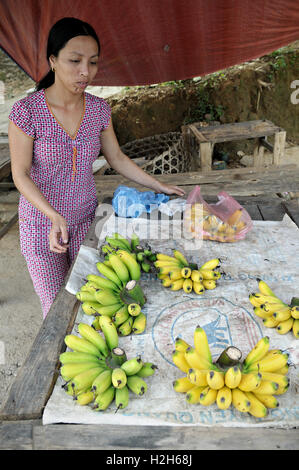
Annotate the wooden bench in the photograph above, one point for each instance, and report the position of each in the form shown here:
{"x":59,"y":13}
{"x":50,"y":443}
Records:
{"x":261,"y":129}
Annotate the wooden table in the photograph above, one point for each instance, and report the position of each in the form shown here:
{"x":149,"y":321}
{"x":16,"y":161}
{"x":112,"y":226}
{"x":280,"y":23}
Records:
{"x":21,"y":417}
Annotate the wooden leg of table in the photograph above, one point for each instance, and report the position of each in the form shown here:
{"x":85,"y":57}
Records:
{"x":206,"y":156}
{"x":279,"y":147}
{"x":258,"y":155}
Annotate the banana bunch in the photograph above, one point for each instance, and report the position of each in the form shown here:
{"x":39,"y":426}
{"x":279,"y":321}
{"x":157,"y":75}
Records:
{"x":198,"y":219}
{"x":177,"y":273}
{"x":274,"y":312}
{"x":95,"y":374}
{"x":142,"y":254}
{"x":249,"y":386}
{"x":115,"y":293}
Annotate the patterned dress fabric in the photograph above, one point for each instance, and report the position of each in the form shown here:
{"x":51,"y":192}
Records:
{"x":62,"y":170}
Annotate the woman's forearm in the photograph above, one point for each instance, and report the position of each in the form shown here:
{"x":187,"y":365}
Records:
{"x":128,"y":168}
{"x":32,"y":194}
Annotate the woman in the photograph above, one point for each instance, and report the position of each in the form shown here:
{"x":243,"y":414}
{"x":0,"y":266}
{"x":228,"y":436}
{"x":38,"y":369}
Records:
{"x":55,"y":135}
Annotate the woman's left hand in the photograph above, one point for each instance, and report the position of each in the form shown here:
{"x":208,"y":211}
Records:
{"x":170,"y":189}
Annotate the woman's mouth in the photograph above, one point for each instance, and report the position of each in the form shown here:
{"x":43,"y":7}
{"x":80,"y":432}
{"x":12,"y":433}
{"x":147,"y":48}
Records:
{"x":82,"y":84}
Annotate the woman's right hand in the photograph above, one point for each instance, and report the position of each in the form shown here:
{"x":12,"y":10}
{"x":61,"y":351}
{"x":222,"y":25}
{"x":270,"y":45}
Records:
{"x":57,"y":234}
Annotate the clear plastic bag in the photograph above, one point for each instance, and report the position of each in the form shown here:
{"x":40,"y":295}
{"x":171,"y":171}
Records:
{"x":224,"y":221}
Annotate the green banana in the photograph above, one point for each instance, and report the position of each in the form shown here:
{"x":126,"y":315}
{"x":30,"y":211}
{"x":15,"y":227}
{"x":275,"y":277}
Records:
{"x":102,"y":381}
{"x":134,"y":241}
{"x":137,"y":385}
{"x":86,"y":296}
{"x":109,"y":273}
{"x":120,"y":316}
{"x":81,"y":345}
{"x":119,"y":267}
{"x":121,"y":398}
{"x":126,"y":328}
{"x":139,"y":324}
{"x":69,"y":371}
{"x":125,"y":241}
{"x":109,"y":330}
{"x":107,"y":297}
{"x":103,"y":400}
{"x":94,"y":337}
{"x":90,"y":308}
{"x":119,"y":377}
{"x":134,"y":309}
{"x":84,"y":379}
{"x":102,"y":282}
{"x":116,"y":243}
{"x":132,"y":366}
{"x":147,"y":370}
{"x":131,"y":264}
{"x":108,"y":310}
{"x":70,"y":357}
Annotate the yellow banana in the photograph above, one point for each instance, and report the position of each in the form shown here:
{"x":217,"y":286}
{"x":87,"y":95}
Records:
{"x":198,"y":288}
{"x":109,"y":330}
{"x":179,"y":255}
{"x":270,"y":364}
{"x":258,"y":351}
{"x":198,"y":377}
{"x":211,"y":264}
{"x":209,"y":284}
{"x":224,"y":398}
{"x":270,"y":322}
{"x":175,"y":275}
{"x":84,"y":379}
{"x":240,"y":401}
{"x":134,"y":309}
{"x":280,"y":379}
{"x":233,"y":377}
{"x":269,"y":299}
{"x":295,"y":328}
{"x":182,"y":385}
{"x":264,"y":288}
{"x":166,"y":282}
{"x":181,"y":345}
{"x":282,"y":315}
{"x":81,"y":345}
{"x":132,"y":265}
{"x":139,"y":324}
{"x":120,"y":316}
{"x":187,"y":286}
{"x":180,"y":361}
{"x":295,"y":312}
{"x":270,"y":401}
{"x":163,"y":257}
{"x":177,"y":285}
{"x":215,"y":379}
{"x":208,"y":396}
{"x":261,"y":313}
{"x":276,"y":308}
{"x":69,"y":371}
{"x":267,"y":387}
{"x":196,"y":275}
{"x":84,"y":398}
{"x":250,"y":381}
{"x":201,"y":343}
{"x":209,"y":274}
{"x":118,"y":377}
{"x":171,"y":264}
{"x":257,"y":408}
{"x":192,"y":396}
{"x":102,"y":382}
{"x":285,"y":326}
{"x":186,"y":272}
{"x":89,"y":333}
{"x":196,"y":361}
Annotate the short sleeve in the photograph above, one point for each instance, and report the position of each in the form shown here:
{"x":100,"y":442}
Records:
{"x":20,"y":115}
{"x":105,"y":114}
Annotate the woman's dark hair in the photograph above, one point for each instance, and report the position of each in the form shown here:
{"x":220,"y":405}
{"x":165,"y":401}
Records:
{"x":60,"y":33}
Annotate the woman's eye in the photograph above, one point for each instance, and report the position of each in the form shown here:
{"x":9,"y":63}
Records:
{"x":76,"y":61}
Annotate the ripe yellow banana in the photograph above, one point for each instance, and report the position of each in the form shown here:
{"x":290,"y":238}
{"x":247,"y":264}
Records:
{"x":211,"y":264}
{"x":201,"y":343}
{"x":258,"y":352}
{"x":209,"y":274}
{"x":233,"y":377}
{"x":270,"y":401}
{"x":285,"y":326}
{"x":182,"y":385}
{"x":250,"y":381}
{"x":209,"y":284}
{"x":280,"y":379}
{"x":198,"y":377}
{"x":186,"y":272}
{"x":139,"y":324}
{"x":198,"y":288}
{"x":295,"y":312}
{"x":196,"y":361}
{"x":267,"y":387}
{"x":181,"y":345}
{"x":257,"y":408}
{"x":187,"y":286}
{"x":84,"y":398}
{"x":295,"y":328}
{"x":215,"y":379}
{"x":224,"y":398}
{"x":180,"y":361}
{"x":270,"y":322}
{"x":177,"y":285}
{"x":264,"y":288}
{"x":208,"y":396}
{"x":261,"y":313}
{"x":196,"y":275}
{"x":179,"y":255}
{"x":282,"y":315}
{"x":269,"y":364}
{"x":167,"y":263}
{"x":175,"y":275}
{"x":193,"y":395}
{"x":240,"y":401}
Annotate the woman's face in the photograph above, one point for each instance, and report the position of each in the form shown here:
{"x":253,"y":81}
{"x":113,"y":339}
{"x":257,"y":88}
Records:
{"x":76,"y":64}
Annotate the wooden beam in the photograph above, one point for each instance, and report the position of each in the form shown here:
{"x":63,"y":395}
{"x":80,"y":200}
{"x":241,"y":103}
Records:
{"x":279,"y":147}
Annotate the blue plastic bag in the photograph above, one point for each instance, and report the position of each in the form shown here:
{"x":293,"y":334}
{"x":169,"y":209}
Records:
{"x":129,"y":202}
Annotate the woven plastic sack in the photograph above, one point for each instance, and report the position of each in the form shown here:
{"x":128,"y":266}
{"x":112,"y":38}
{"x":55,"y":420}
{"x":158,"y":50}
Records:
{"x":224,"y":221}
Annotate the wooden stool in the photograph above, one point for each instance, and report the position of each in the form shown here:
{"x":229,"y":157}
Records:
{"x":208,"y":136}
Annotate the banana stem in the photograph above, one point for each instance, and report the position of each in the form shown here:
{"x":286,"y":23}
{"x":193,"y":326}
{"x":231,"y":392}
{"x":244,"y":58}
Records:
{"x":294,"y":302}
{"x":132,"y":290}
{"x":231,"y":356}
{"x":118,"y":355}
